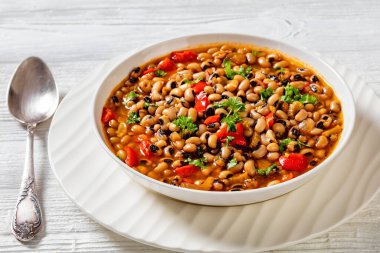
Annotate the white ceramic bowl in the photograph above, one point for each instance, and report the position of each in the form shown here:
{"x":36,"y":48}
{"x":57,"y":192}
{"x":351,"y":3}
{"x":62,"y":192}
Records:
{"x":120,"y":71}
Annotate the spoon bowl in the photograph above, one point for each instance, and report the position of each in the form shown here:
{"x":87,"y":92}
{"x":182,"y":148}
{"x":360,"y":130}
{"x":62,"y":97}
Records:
{"x":32,"y":98}
{"x":33,"y":95}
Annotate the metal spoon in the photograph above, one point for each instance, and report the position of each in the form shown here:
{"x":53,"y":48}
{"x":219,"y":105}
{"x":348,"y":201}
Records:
{"x":32,"y":99}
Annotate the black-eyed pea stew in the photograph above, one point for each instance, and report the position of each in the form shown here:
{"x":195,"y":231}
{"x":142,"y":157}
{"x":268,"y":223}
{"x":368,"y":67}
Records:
{"x":223,"y":118}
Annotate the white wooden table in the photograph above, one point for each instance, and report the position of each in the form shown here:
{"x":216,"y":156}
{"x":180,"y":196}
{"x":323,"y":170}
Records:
{"x":74,"y":37}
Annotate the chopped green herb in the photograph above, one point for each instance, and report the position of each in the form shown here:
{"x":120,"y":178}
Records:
{"x":146,"y":105}
{"x":185,"y":124}
{"x":308,"y":99}
{"x":266,"y":93}
{"x":231,"y":121}
{"x":255,"y":52}
{"x":235,"y":106}
{"x":131,"y":96}
{"x":232,"y":163}
{"x":160,"y":73}
{"x":194,"y":81}
{"x":230,"y":73}
{"x":229,"y":139}
{"x":133,"y":117}
{"x":293,"y":94}
{"x":266,"y":171}
{"x":284,"y":143}
{"x":118,"y":156}
{"x":197,"y":162}
{"x":281,"y":70}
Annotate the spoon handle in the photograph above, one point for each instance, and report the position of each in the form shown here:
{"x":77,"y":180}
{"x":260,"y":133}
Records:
{"x":27,"y":217}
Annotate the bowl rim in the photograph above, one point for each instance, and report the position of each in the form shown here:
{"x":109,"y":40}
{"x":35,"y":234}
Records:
{"x":341,"y":145}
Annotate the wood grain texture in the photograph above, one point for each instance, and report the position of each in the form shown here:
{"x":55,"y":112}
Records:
{"x":74,"y":37}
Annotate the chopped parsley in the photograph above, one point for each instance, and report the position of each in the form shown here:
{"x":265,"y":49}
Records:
{"x":284,"y":143}
{"x":146,"y":105}
{"x":229,"y":139}
{"x":235,"y":106}
{"x":266,"y":93}
{"x":194,"y":81}
{"x":131,"y":96}
{"x":281,"y":70}
{"x":230,"y":73}
{"x":160,"y":73}
{"x":186,"y":125}
{"x":266,"y":171}
{"x":232,"y":163}
{"x":308,"y":99}
{"x":197,"y":162}
{"x":133,"y":117}
{"x":293,"y":94}
{"x":255,"y":52}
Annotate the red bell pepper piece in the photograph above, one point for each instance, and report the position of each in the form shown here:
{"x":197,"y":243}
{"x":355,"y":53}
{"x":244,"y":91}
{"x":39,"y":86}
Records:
{"x":222,"y":133}
{"x":186,"y":171}
{"x":166,"y":65}
{"x":269,"y":118}
{"x":149,"y":71}
{"x":188,"y":180}
{"x":201,"y":102}
{"x":107,"y":115}
{"x":132,"y":159}
{"x":144,"y":148}
{"x":212,"y":119}
{"x":306,"y":88}
{"x":199,"y":87}
{"x":296,"y":162}
{"x":239,"y":140}
{"x":184,"y":56}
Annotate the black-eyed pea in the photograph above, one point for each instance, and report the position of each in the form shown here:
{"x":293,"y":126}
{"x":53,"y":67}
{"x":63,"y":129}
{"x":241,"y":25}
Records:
{"x":121,"y":154}
{"x":259,"y":75}
{"x":297,"y":84}
{"x":263,"y":62}
{"x":160,"y":167}
{"x":209,"y":90}
{"x":194,"y":66}
{"x":177,"y":163}
{"x":220,"y":163}
{"x":273,"y":147}
{"x":260,"y":125}
{"x":183,"y":111}
{"x":173,"y":127}
{"x":273,"y":156}
{"x":335,"y":107}
{"x":250,"y":58}
{"x":272,"y":100}
{"x":244,"y":85}
{"x":201,"y":129}
{"x":125,"y":139}
{"x":218,"y":88}
{"x":232,"y":85}
{"x":113,"y":123}
{"x":252,"y":97}
{"x":179,"y":144}
{"x":250,"y":168}
{"x":309,"y":107}
{"x":170,"y":113}
{"x":307,"y":151}
{"x":194,"y":140}
{"x":161,"y":143}
{"x":280,"y":91}
{"x":189,"y":95}
{"x":206,"y":171}
{"x":214,"y":97}
{"x":225,"y":152}
{"x":209,"y":157}
{"x":190,"y":148}
{"x":322,"y":142}
{"x":237,"y":168}
{"x":225,"y":174}
{"x":137,"y":129}
{"x":193,"y":114}
{"x":212,"y":141}
{"x":114,"y":140}
{"x":238,"y":78}
{"x":281,"y":115}
{"x":260,"y":152}
{"x":320,"y":153}
{"x":177,"y":92}
{"x":257,"y":89}
{"x":316,"y":131}
{"x":111,"y":131}
{"x":167,"y":173}
{"x":204,"y":56}
{"x":218,"y":185}
{"x":204,"y":137}
{"x":280,"y":64}
{"x":174,"y":136}
{"x":248,"y":132}
{"x":301,"y":115}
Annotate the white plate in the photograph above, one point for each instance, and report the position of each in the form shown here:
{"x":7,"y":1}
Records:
{"x":101,"y":189}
